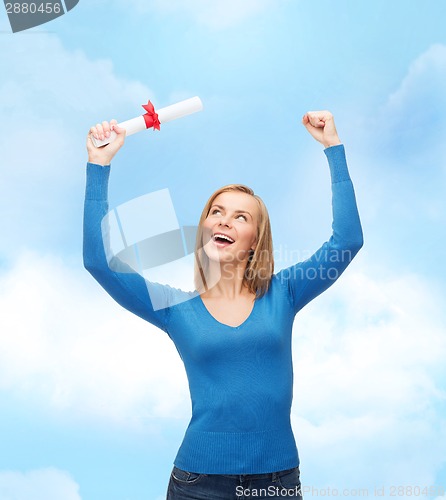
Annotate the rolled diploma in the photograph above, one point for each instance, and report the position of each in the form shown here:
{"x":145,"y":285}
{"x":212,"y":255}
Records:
{"x":167,"y":114}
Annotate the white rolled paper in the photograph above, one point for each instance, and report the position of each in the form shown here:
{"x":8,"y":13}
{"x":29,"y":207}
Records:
{"x":167,"y":114}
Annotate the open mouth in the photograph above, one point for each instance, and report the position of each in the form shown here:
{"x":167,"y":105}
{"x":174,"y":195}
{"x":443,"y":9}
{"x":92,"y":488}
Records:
{"x":222,"y":240}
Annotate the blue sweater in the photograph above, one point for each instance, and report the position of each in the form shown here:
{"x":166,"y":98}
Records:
{"x":240,"y":378}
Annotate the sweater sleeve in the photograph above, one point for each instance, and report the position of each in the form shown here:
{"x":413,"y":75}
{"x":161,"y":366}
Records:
{"x":306,"y":280}
{"x":128,"y":288}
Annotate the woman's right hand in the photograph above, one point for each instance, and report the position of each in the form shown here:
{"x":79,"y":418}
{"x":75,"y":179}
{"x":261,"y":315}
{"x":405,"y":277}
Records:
{"x":104,"y":154}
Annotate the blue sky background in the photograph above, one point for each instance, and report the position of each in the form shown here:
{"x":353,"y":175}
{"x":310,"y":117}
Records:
{"x":93,"y":401}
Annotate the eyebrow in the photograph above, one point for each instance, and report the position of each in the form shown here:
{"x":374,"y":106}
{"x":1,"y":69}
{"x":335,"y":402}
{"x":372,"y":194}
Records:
{"x":236,"y":211}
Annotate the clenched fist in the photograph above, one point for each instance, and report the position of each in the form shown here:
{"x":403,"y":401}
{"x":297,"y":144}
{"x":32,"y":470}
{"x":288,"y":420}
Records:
{"x":321,"y":126}
{"x":104,"y":154}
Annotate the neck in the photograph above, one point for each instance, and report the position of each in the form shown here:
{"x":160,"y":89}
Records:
{"x":226,"y":280}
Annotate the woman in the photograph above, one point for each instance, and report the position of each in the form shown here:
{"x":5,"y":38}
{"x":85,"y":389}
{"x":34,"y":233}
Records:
{"x":234,"y":332}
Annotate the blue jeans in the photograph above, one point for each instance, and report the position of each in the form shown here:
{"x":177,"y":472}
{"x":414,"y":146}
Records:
{"x":185,"y":485}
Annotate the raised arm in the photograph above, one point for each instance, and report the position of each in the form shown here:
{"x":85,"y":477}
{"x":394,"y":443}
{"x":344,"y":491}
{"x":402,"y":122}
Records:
{"x":307,"y":279}
{"x":128,"y":288}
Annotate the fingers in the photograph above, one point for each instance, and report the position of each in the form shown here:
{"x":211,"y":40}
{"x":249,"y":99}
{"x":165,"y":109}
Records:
{"x":312,"y":118}
{"x":103,"y":155}
{"x":320,"y":124}
{"x":114,"y":126}
{"x":317,"y":119}
{"x":118,"y":130}
{"x":102,"y":130}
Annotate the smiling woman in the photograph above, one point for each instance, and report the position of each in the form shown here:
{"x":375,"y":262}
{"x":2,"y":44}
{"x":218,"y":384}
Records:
{"x":234,"y":332}
{"x":234,"y":244}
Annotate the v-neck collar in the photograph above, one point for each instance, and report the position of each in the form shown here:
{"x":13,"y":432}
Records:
{"x":203,"y":305}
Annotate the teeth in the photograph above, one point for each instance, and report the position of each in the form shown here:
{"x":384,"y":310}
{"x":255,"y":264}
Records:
{"x":223,"y":236}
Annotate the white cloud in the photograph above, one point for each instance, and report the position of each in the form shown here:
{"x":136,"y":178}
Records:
{"x":412,"y":120}
{"x":369,"y":371}
{"x":392,"y":328}
{"x":41,"y":71}
{"x":62,"y":338}
{"x":49,"y":97}
{"x":42,"y":484}
{"x":216,"y":14}
{"x":425,"y":75}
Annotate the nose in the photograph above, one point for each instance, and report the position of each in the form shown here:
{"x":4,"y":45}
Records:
{"x":224,"y":221}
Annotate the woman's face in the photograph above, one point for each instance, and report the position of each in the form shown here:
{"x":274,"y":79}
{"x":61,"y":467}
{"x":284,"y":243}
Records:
{"x":230,"y":229}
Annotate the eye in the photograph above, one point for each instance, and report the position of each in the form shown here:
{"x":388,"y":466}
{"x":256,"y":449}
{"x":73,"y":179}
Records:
{"x":241,"y":215}
{"x":215,"y":210}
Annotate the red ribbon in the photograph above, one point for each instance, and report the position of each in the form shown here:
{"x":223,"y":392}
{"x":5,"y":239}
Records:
{"x":151,"y":117}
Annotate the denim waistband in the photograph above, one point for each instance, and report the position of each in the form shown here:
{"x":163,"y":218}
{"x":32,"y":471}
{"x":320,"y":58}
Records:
{"x":269,"y":475}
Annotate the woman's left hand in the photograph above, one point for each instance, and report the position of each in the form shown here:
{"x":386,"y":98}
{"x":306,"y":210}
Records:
{"x":321,"y":126}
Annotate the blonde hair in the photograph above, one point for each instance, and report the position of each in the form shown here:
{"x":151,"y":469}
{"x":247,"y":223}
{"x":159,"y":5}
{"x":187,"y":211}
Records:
{"x":260,"y":265}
